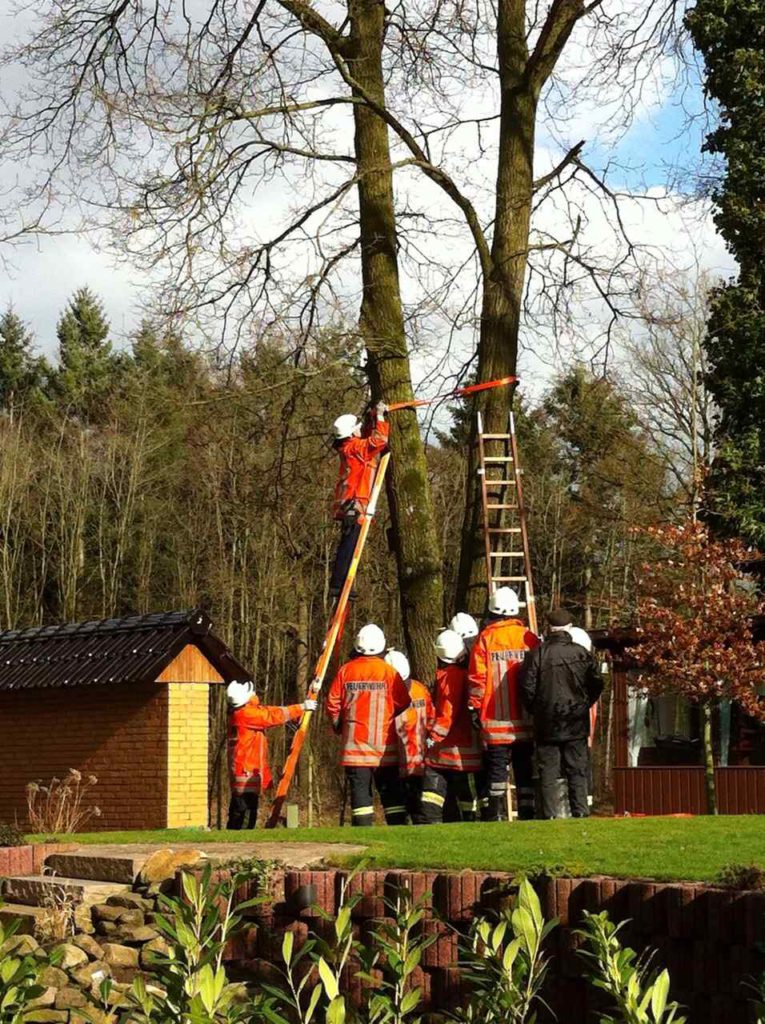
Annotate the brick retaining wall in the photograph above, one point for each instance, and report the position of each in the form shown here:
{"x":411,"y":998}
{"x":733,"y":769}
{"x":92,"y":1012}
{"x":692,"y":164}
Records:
{"x":711,"y":940}
{"x":27,"y":860}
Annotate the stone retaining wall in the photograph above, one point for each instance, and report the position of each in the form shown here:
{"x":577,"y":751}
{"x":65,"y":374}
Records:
{"x":712,"y":940}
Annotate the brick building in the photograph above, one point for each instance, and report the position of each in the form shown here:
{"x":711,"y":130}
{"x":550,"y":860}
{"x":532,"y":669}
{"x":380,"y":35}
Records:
{"x":126,"y":700}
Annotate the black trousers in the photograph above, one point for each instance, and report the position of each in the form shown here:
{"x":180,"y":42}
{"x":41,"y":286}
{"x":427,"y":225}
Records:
{"x":571,"y":761}
{"x":242,"y":807}
{"x":496,"y":763}
{"x":350,"y":529}
{"x":448,"y":795}
{"x":390,"y":787}
{"x":413,"y":798}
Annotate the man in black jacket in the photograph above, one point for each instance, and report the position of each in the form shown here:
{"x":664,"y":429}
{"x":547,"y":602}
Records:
{"x":559,"y":683}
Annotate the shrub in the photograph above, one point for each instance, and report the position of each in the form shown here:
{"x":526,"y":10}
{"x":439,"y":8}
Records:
{"x":741,"y":876}
{"x":60,"y":806}
{"x":19,"y":977}
{"x":11,"y":835}
{"x":640,"y":997}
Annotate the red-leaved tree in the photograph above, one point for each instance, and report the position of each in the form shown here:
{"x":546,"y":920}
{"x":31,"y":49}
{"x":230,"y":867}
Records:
{"x":694,"y":611}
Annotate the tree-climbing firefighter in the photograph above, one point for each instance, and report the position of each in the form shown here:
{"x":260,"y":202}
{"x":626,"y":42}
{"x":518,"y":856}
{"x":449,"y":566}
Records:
{"x":359,"y":447}
{"x":411,"y":729}
{"x":248,"y":750}
{"x":497,"y":709}
{"x":453,"y":748}
{"x":362,"y":704}
{"x":560,"y":682}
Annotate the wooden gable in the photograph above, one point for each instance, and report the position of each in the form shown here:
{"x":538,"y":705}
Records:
{"x":190,"y":666}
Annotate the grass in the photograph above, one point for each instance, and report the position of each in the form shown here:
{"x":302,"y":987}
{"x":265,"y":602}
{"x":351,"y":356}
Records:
{"x":666,"y":849}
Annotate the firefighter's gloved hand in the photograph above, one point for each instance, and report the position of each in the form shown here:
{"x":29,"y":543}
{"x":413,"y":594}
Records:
{"x":381,"y":409}
{"x":310,"y":704}
{"x":475,"y":719}
{"x":430,"y":742}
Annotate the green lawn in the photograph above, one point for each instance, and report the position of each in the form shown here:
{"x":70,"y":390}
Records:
{"x":660,"y":848}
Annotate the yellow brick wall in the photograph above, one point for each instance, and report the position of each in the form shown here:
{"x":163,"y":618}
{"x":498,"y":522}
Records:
{"x":187,"y":754}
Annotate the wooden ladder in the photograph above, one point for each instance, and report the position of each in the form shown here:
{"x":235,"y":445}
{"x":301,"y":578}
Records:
{"x":506,"y":538}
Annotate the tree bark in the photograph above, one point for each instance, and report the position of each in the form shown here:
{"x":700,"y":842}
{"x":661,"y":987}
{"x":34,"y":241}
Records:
{"x":709,"y":760}
{"x":503,"y":291}
{"x":381,"y":323}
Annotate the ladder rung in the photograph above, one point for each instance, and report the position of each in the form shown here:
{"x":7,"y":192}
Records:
{"x":505,"y":529}
{"x":495,"y":437}
{"x":498,"y":458}
{"x":506,"y":554}
{"x":492,"y":507}
{"x":510,"y":579}
{"x":502,"y":483}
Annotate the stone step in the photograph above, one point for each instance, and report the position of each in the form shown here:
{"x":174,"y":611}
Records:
{"x":97,"y":867}
{"x":44,"y":890}
{"x":28,"y":917}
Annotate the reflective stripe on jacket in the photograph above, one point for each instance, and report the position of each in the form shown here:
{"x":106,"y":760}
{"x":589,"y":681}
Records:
{"x":495,"y":663}
{"x":247,"y":747}
{"x":363,"y":701}
{"x":458,"y":746}
{"x":411,"y":729}
{"x":358,"y":460}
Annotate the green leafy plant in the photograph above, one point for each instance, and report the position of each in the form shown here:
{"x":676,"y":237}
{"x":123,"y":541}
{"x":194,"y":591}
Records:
{"x":11,"y":835}
{"x":504,"y":965}
{"x":639,"y":995}
{"x":191,"y":983}
{"x":19,"y":976}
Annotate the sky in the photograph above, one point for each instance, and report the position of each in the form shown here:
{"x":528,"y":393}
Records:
{"x":665,"y":134}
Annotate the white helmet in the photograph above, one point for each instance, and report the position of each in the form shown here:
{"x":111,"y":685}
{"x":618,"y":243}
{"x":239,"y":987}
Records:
{"x":450,"y":646}
{"x":580,"y":636}
{"x":504,"y":602}
{"x":344,"y":426}
{"x":238,"y":694}
{"x":370,"y":639}
{"x":399,"y":661}
{"x":465,"y":625}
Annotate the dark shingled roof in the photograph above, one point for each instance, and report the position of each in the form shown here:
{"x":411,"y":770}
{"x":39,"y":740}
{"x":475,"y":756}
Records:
{"x":134,"y":649}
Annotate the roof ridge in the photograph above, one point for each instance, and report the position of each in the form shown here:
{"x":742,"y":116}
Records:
{"x":149,"y":620}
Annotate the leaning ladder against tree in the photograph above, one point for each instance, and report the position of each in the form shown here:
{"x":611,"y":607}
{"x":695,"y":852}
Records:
{"x":331,"y":641}
{"x":505,"y":531}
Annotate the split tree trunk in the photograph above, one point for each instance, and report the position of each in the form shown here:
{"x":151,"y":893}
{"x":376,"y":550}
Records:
{"x":503,"y":292}
{"x":381,"y":322}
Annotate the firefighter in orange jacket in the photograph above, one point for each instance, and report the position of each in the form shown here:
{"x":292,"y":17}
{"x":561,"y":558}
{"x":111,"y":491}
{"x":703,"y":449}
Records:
{"x":248,"y":751}
{"x":359,"y":447}
{"x":362,"y":704}
{"x":496,"y":707}
{"x":411,"y":728}
{"x":453,"y":749}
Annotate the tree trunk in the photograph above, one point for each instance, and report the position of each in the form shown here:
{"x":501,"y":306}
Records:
{"x":709,"y":760}
{"x":381,"y":323}
{"x":503,"y":291}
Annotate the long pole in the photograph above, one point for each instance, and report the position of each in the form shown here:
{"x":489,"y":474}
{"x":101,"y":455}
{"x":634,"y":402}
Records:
{"x":471,"y":389}
{"x":335,"y":631}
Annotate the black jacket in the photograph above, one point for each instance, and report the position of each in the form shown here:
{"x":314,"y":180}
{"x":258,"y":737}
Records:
{"x":559,"y":682}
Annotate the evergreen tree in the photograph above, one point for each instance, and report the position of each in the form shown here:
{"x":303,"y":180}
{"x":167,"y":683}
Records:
{"x":87,"y":365}
{"x":20,"y":371}
{"x":731,"y":38}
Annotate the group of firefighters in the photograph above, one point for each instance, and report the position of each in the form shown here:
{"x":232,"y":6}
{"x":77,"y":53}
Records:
{"x":500,"y":698}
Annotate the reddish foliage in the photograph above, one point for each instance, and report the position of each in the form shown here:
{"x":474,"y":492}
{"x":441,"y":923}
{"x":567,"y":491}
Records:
{"x":694,"y":612}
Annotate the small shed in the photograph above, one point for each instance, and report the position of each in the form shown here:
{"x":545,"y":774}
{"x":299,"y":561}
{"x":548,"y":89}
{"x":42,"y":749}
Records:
{"x":658,"y":766}
{"x":126,"y":700}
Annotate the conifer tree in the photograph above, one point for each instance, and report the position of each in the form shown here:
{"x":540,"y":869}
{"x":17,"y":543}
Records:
{"x":86,"y":362}
{"x":20,"y":370}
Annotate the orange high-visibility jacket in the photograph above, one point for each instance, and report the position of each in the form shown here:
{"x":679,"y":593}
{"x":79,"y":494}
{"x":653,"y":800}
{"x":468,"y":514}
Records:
{"x":247,"y":747}
{"x":411,"y":728}
{"x":358,"y":460}
{"x":495,"y":661}
{"x":458,"y":746}
{"x":363,"y":701}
